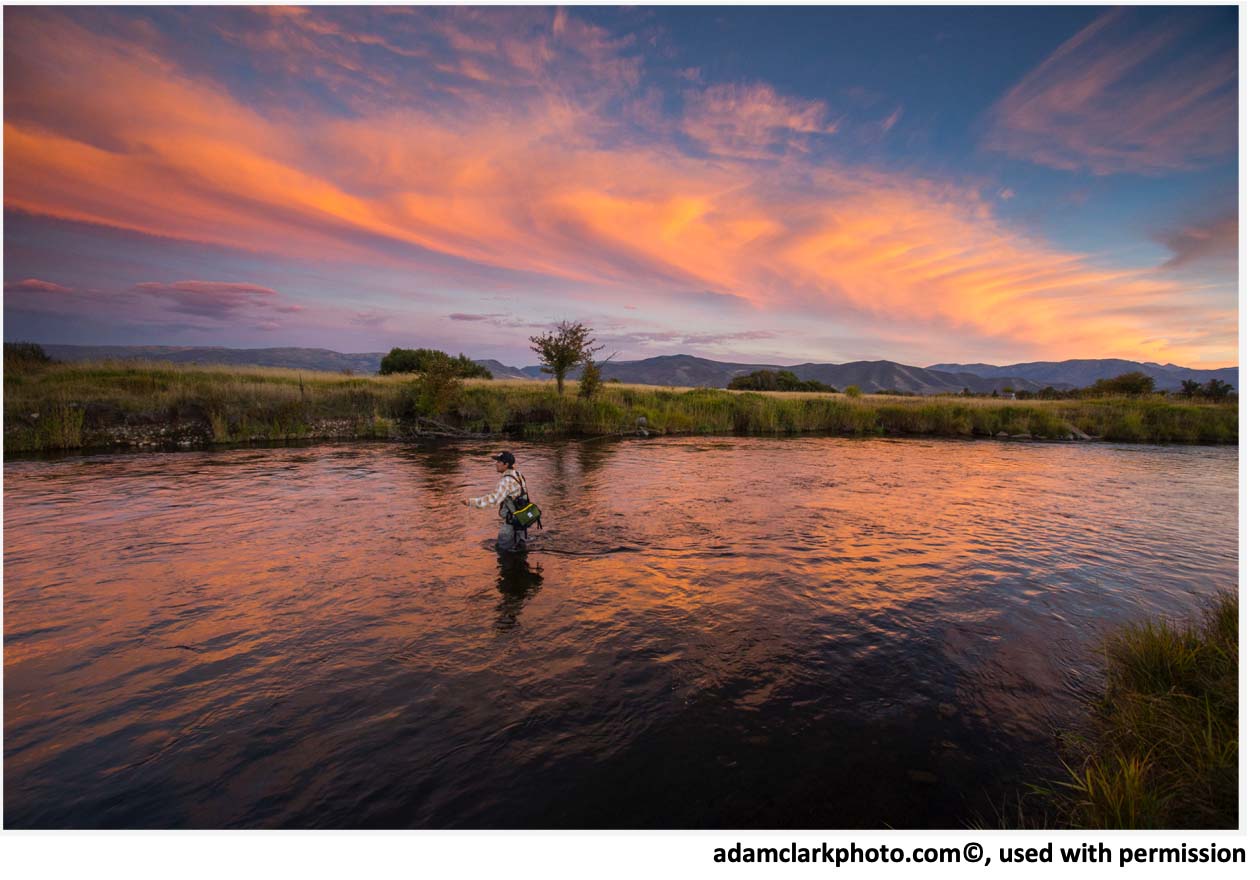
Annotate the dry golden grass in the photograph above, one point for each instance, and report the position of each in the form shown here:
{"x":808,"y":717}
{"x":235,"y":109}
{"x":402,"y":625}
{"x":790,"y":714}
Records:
{"x":62,"y":405}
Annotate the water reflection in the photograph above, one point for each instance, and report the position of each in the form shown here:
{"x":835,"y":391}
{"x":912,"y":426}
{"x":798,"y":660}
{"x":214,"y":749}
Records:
{"x":519,"y":581}
{"x":322,"y":636}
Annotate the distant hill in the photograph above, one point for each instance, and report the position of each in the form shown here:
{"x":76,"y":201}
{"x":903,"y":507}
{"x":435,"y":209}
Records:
{"x":684,"y":370}
{"x":296,"y":358}
{"x":321,"y":359}
{"x":1081,"y":373}
{"x":890,"y":376}
{"x":503,"y":371}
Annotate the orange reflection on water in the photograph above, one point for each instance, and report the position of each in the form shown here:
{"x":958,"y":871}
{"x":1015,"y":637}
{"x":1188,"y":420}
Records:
{"x":324,"y":636}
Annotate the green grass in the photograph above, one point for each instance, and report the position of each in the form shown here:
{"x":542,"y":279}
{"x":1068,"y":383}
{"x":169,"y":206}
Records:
{"x":88,"y":405}
{"x":1161,"y":748}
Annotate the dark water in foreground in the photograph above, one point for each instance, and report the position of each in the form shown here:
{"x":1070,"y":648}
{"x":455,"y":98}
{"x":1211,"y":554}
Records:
{"x":736,"y":632}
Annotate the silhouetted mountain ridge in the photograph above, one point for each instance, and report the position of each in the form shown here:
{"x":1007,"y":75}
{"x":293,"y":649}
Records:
{"x":1079,"y":373}
{"x":295,"y":358}
{"x":686,"y":370}
{"x":683,"y":370}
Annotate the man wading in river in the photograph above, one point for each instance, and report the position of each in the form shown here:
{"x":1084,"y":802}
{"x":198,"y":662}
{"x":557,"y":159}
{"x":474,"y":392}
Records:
{"x":516,"y":513}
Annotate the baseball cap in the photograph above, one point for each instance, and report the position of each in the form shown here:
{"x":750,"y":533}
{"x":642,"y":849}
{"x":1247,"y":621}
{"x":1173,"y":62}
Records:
{"x":506,"y":457}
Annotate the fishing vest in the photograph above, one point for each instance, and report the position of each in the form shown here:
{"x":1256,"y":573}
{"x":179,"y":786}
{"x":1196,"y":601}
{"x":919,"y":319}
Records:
{"x":517,"y":490}
{"x":516,"y":509}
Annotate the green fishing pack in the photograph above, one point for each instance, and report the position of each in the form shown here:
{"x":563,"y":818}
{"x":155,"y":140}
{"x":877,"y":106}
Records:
{"x":521,"y":512}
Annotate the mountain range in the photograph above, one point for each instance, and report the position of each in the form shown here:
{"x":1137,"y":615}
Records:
{"x":681,"y":370}
{"x":689,"y":371}
{"x":1079,"y":373}
{"x":296,"y":358}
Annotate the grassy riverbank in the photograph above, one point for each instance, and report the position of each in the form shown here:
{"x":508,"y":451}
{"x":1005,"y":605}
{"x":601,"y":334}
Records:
{"x":94,"y":405}
{"x":1161,"y":747}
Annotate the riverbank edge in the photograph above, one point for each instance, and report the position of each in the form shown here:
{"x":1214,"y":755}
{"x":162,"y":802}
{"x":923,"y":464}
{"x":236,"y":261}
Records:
{"x":116,"y":406}
{"x":1159,"y":745}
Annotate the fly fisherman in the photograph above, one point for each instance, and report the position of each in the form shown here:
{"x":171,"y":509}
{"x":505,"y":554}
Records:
{"x":511,"y":488}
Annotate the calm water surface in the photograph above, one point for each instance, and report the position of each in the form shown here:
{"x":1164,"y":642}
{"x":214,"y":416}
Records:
{"x":735,"y":632}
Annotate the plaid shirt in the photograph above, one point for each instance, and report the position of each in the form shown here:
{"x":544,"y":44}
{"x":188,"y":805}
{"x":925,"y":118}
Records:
{"x":508,"y":488}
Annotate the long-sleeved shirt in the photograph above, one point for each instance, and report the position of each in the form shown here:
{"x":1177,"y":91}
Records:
{"x":508,"y":487}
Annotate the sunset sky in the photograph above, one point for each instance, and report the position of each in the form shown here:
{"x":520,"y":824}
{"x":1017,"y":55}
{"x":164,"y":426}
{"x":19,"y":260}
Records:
{"x":758,"y":184}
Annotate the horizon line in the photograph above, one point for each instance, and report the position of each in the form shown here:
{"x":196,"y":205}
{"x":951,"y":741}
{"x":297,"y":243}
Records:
{"x":634,"y":360}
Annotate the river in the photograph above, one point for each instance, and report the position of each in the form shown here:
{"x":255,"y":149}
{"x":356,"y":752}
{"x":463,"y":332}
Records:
{"x":735,"y":632}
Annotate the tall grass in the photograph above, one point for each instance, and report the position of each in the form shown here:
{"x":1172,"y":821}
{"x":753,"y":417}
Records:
{"x":91,"y":403}
{"x":58,"y":406}
{"x":1161,"y":749}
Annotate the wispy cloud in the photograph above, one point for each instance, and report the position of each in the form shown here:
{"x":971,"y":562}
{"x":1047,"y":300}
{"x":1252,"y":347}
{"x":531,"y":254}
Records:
{"x":752,"y":121}
{"x":676,"y":338}
{"x":186,"y":305}
{"x":497,"y":319}
{"x":216,"y":300}
{"x":1117,"y":98}
{"x":540,"y":177}
{"x":34,"y":285}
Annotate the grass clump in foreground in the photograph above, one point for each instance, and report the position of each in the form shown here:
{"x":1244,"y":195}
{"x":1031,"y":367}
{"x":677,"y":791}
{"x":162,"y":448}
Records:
{"x":1161,"y":748}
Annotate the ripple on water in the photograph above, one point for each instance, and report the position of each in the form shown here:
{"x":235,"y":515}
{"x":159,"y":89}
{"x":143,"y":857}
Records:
{"x":729,"y":632}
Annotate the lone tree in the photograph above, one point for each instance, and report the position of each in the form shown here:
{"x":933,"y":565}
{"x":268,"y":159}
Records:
{"x":570,"y":344}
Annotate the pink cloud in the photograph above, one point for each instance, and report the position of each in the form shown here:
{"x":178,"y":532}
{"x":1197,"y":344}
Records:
{"x":1114,"y":100}
{"x":34,"y":285}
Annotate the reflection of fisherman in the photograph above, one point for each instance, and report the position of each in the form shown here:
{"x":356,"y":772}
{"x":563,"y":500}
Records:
{"x":511,"y":486}
{"x":518,"y":582}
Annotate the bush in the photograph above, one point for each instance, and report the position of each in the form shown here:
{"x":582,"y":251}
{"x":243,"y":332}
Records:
{"x":776,"y":380}
{"x":853,"y":391}
{"x":591,"y":381}
{"x":1131,"y":384}
{"x":1217,"y":390}
{"x":20,"y":356}
{"x":438,"y":389}
{"x":422,"y":360}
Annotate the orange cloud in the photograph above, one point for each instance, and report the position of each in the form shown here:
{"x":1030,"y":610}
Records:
{"x":551,"y":184}
{"x":1111,"y":100}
